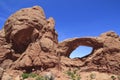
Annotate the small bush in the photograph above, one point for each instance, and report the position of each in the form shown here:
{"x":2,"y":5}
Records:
{"x":92,"y":76}
{"x":73,"y":75}
{"x":113,"y":77}
{"x":25,"y":75}
{"x":40,"y":78}
{"x":78,"y":78}
{"x":32,"y":75}
{"x":49,"y":76}
{"x":37,"y":77}
{"x":44,"y":78}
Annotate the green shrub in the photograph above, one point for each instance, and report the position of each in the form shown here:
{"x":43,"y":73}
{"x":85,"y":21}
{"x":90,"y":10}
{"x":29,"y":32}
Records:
{"x":73,"y":75}
{"x":44,"y":78}
{"x":113,"y":77}
{"x":32,"y":75}
{"x":37,"y":77}
{"x":25,"y":75}
{"x":40,"y":78}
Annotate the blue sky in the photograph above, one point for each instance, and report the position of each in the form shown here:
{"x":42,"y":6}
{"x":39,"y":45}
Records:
{"x":74,"y":18}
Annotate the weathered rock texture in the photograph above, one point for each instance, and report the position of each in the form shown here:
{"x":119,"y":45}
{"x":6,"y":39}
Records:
{"x":28,"y":42}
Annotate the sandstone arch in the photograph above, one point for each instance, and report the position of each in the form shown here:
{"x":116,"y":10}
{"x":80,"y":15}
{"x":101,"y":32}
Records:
{"x":66,"y":47}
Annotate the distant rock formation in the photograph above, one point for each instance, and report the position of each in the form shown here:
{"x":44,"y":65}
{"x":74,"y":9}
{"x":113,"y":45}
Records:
{"x":29,"y":42}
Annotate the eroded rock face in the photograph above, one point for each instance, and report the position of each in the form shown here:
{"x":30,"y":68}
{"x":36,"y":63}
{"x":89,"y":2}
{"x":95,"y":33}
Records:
{"x":28,"y":42}
{"x":21,"y":28}
{"x":26,"y":35}
{"x":104,"y":57}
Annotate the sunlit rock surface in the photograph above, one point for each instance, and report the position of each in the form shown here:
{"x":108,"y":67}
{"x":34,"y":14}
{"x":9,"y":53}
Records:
{"x":29,"y":43}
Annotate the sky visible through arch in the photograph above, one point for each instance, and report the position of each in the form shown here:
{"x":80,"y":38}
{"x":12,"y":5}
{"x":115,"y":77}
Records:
{"x":74,"y":18}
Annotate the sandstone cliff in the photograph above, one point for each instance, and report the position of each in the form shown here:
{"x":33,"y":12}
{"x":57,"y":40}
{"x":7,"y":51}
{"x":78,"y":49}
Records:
{"x":29,"y":43}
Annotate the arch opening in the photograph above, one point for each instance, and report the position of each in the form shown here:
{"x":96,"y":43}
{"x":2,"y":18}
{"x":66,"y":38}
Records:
{"x":81,"y":51}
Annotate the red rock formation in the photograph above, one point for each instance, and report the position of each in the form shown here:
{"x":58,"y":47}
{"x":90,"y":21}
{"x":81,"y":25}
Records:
{"x":28,"y":42}
{"x":65,"y":47}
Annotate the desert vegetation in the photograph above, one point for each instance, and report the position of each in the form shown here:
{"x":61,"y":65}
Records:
{"x":37,"y":77}
{"x":73,"y":75}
